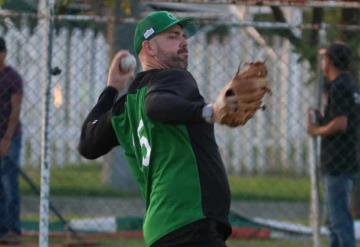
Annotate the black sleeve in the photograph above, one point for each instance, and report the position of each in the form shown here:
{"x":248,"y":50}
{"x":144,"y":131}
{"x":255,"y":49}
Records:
{"x":97,"y":134}
{"x":341,"y":100}
{"x":173,"y":97}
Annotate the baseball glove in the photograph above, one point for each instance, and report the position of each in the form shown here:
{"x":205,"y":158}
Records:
{"x":249,"y":87}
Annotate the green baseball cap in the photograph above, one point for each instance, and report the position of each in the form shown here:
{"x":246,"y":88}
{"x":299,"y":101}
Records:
{"x":157,"y":22}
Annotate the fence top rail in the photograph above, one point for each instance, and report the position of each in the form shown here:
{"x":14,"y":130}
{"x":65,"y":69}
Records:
{"x":95,"y":18}
{"x":212,"y":18}
{"x":281,"y":25}
{"x":289,"y":3}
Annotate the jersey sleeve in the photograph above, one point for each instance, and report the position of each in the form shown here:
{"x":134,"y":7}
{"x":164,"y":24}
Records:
{"x":173,"y":97}
{"x":342,"y":99}
{"x":16,"y":84}
{"x":97,"y":134}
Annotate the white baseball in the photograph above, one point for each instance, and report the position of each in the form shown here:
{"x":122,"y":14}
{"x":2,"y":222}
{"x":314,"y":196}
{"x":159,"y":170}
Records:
{"x":128,"y":63}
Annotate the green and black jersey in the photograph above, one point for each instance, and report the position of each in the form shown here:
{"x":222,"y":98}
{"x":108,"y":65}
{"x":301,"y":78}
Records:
{"x":170,"y":148}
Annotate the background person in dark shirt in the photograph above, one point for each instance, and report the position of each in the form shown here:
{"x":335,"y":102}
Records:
{"x":167,"y":132}
{"x":338,"y":132}
{"x":11,"y":90}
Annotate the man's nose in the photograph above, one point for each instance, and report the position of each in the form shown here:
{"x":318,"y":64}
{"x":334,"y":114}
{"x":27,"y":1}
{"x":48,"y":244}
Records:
{"x":183,"y":43}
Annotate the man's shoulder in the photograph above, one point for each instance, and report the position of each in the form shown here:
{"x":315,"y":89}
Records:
{"x":173,"y":80}
{"x":345,"y":81}
{"x":10,"y":71}
{"x":345,"y":78}
{"x":172,"y":76}
{"x":163,"y":74}
{"x":180,"y":73}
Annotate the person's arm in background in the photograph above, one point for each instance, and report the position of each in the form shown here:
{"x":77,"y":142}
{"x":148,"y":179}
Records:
{"x":13,"y":121}
{"x":340,"y":107}
{"x":337,"y":125}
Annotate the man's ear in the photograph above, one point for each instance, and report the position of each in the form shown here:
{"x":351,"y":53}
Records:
{"x":149,"y":47}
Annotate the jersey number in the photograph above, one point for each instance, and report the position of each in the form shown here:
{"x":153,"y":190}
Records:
{"x":144,"y":144}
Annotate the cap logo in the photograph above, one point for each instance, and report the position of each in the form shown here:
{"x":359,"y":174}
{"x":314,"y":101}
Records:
{"x":148,"y":33}
{"x":171,"y":16}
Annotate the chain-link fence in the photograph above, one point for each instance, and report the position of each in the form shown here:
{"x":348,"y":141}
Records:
{"x":268,"y":160}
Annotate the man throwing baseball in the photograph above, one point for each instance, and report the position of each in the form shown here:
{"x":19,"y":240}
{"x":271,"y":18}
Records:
{"x":167,"y":132}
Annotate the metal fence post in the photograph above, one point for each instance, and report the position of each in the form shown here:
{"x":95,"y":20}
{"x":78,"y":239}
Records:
{"x":314,"y":166}
{"x":46,"y":13}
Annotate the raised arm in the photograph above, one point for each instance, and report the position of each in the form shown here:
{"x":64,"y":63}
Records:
{"x":97,"y":134}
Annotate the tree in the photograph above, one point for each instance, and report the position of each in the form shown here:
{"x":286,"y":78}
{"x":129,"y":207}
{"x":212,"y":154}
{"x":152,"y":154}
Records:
{"x":19,"y":5}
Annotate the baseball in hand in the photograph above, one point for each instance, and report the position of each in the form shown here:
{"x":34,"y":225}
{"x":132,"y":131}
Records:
{"x":128,"y":63}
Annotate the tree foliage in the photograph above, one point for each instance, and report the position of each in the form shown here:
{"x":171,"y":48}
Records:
{"x":308,"y":43}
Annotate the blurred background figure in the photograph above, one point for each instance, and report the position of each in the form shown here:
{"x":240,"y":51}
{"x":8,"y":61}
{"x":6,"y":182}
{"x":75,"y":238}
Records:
{"x":11,"y":91}
{"x":338,"y":132}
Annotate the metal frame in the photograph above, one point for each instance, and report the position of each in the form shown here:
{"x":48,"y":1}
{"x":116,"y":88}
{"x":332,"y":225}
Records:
{"x":287,"y":3}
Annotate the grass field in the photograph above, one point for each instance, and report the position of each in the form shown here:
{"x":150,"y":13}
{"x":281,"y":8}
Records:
{"x":121,"y":242}
{"x":86,"y":180}
{"x":230,"y":243}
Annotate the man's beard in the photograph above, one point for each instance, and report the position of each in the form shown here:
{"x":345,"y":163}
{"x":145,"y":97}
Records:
{"x":174,"y":60}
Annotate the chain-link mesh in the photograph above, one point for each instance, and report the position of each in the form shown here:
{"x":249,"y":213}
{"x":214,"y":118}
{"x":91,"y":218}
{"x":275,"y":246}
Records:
{"x":267,"y":160}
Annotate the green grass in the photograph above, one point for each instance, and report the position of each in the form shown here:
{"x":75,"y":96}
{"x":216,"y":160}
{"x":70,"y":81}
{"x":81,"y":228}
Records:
{"x":230,"y":243}
{"x":79,"y":180}
{"x":110,"y":242}
{"x":271,"y":188}
{"x":85,"y":180}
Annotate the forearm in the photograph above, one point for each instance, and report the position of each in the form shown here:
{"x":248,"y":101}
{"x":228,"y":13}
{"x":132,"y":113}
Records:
{"x":12,"y":124}
{"x":97,"y":135}
{"x":338,"y":125}
{"x":170,"y":108}
{"x":14,"y":117}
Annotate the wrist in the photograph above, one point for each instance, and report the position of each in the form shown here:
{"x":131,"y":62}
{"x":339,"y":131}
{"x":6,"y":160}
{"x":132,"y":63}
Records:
{"x":112,"y":89}
{"x":115,"y":86}
{"x":317,"y":130}
{"x":208,"y":113}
